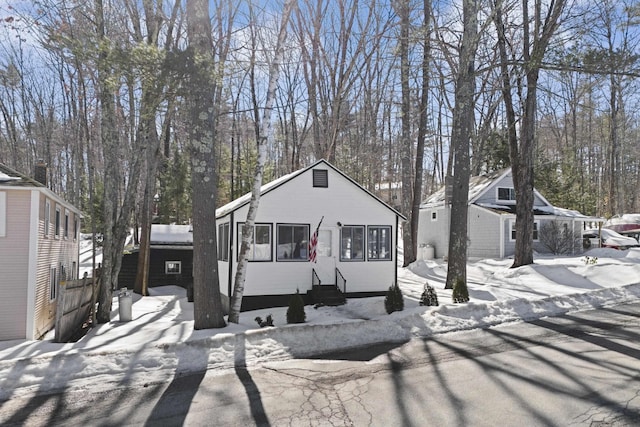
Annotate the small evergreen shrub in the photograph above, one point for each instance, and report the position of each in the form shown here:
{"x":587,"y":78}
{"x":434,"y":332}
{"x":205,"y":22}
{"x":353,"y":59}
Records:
{"x":590,"y":260}
{"x":263,"y":323}
{"x":460,"y":292}
{"x":295,"y":312}
{"x":393,"y":301}
{"x":429,"y":296}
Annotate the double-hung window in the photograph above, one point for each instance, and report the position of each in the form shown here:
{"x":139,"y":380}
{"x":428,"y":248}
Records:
{"x":379,"y":243}
{"x":260,"y":246}
{"x":58,"y":222}
{"x":47,"y":217}
{"x":223,"y":242}
{"x":536,"y":227}
{"x":352,"y":243}
{"x":293,"y":242}
{"x":506,"y":194}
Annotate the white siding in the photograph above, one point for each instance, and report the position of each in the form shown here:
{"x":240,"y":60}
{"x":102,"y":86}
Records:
{"x":434,"y":232}
{"x":298,"y":202}
{"x":484,"y":233}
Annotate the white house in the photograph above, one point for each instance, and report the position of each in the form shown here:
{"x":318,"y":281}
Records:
{"x":357,"y":239}
{"x":492,"y":218}
{"x":38,"y":247}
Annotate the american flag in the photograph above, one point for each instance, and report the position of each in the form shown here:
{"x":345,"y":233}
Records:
{"x":313,"y":244}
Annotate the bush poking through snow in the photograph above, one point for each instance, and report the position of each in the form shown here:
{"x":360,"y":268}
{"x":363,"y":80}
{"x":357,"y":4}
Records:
{"x":429,"y":296}
{"x":266,"y":322}
{"x":460,"y":292}
{"x":295,"y":312}
{"x":590,"y":260}
{"x":394,"y":301}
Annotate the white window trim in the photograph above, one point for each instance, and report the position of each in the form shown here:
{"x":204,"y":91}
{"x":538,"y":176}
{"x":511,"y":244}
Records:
{"x":67,"y":216}
{"x":304,"y":248}
{"x":505,"y":201}
{"x":47,"y":218}
{"x":54,"y":279}
{"x":251,"y":256}
{"x":57,"y":222}
{"x":512,"y":224}
{"x":166,"y":267}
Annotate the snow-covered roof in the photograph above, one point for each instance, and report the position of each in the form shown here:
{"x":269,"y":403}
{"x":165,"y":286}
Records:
{"x":240,"y":201}
{"x":165,"y":234}
{"x":477,"y":186}
{"x":4,"y":177}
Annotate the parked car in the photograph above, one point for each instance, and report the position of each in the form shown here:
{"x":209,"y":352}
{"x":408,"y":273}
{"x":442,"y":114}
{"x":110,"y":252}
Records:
{"x":610,"y":239}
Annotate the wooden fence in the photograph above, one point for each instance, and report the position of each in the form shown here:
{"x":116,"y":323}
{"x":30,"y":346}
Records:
{"x":74,"y":306}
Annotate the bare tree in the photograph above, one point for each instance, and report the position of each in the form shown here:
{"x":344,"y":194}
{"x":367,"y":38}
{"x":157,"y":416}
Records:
{"x":154,"y":82}
{"x":537,"y":32}
{"x":263,"y":134}
{"x":118,"y":198}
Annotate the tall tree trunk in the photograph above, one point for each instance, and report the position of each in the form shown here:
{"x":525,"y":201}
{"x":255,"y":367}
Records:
{"x":422,"y":131}
{"x":118,"y":196}
{"x":208,"y":310}
{"x":521,"y":153}
{"x":461,"y":134}
{"x":406,"y":143}
{"x":264,"y":132}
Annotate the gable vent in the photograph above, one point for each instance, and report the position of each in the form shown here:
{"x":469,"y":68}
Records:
{"x":321,"y":178}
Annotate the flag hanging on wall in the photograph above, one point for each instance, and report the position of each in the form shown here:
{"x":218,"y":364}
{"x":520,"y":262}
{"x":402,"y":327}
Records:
{"x":313,"y":243}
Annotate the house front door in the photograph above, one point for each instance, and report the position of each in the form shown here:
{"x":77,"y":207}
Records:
{"x":326,"y":252}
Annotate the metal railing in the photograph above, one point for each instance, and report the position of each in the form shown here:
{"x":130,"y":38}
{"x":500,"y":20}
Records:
{"x":341,"y":282}
{"x":315,"y":280}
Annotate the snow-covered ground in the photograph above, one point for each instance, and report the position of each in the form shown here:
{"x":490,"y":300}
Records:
{"x":160,"y":341}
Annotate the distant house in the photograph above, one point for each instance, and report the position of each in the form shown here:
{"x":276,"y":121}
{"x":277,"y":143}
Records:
{"x":170,"y":258}
{"x":492,"y":218}
{"x":38,"y":248}
{"x":357,"y":243}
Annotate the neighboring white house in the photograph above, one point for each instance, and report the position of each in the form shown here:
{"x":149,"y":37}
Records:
{"x":38,"y":248}
{"x":492,"y":218}
{"x":357,"y":240}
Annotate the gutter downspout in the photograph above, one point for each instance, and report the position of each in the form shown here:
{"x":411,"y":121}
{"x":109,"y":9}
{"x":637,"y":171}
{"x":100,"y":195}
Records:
{"x":501,"y":237}
{"x":230,"y":248}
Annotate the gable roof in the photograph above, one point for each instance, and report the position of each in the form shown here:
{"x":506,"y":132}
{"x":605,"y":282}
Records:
{"x":12,"y":178}
{"x":481,"y":184}
{"x":266,"y":188}
{"x":478,"y":185}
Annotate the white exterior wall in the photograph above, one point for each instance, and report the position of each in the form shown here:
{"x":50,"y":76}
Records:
{"x":434,"y":232}
{"x":484,"y":233}
{"x":298,"y":202}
